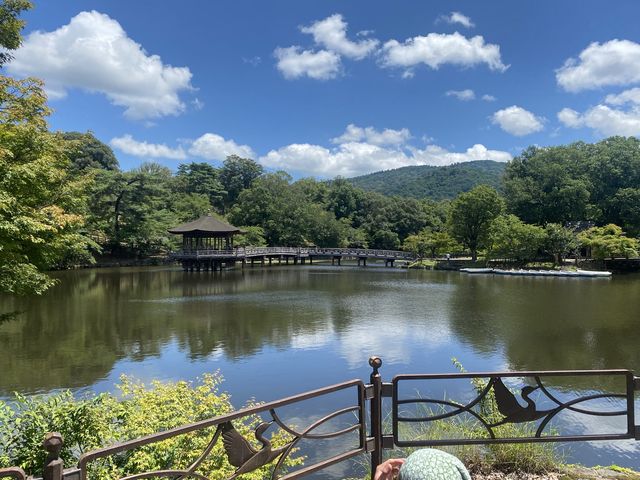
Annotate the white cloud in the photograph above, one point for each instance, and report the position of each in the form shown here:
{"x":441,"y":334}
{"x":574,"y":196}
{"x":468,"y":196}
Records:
{"x":457,"y":17}
{"x":94,"y":53}
{"x":215,"y":147}
{"x":628,"y":96}
{"x":370,"y":135}
{"x":517,"y":121}
{"x":462,"y":95}
{"x":605,"y":120}
{"x":294,"y":63}
{"x":331,"y":33}
{"x":437,"y":49}
{"x":436,"y":155}
{"x":356,"y":158}
{"x":130,"y":146}
{"x":569,"y":118}
{"x":358,"y":151}
{"x":616,"y":62}
{"x":488,"y":98}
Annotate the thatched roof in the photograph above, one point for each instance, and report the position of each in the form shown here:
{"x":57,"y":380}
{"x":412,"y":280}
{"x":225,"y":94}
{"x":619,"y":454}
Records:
{"x":206,"y":225}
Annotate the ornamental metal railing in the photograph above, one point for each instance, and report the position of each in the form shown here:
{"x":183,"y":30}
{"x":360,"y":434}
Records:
{"x":487,"y":404}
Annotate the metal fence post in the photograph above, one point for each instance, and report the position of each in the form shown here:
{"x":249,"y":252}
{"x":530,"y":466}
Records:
{"x":53,"y":466}
{"x":376,"y":413}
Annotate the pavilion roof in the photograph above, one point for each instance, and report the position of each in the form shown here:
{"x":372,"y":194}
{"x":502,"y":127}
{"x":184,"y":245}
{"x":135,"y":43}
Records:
{"x":206,"y":224}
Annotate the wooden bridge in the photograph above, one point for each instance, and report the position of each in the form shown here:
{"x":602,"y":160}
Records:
{"x":206,"y":259}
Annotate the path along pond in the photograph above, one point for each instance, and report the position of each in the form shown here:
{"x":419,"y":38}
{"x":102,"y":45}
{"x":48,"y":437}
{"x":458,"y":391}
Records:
{"x":282,"y":330}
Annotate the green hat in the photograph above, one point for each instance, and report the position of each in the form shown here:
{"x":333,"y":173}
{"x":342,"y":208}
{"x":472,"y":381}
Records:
{"x":432,"y":464}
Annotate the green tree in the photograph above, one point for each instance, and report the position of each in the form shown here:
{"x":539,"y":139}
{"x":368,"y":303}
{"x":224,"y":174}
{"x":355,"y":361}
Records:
{"x":323,"y":229}
{"x":272,"y":204}
{"x":511,"y":238}
{"x":189,"y":206}
{"x":471,"y":214}
{"x":430,"y":243}
{"x":11,"y":27}
{"x":133,"y":210}
{"x":89,"y":152}
{"x":201,"y":178}
{"x":624,"y":209}
{"x":613,"y":165}
{"x":608,"y":242}
{"x":559,"y":242}
{"x":41,"y":205}
{"x":549,"y":184}
{"x":236,"y":175}
{"x":312,"y":190}
{"x":385,"y":239}
{"x":251,"y":237}
{"x":343,"y":199}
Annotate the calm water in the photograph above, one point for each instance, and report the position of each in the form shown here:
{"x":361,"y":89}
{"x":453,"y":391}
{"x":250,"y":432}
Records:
{"x":278,"y":331}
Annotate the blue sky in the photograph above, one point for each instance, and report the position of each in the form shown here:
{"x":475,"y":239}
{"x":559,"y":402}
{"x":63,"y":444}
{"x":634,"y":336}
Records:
{"x":336,"y":88}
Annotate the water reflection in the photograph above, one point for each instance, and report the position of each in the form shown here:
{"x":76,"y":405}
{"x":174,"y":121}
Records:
{"x":546,"y":323}
{"x":74,"y":335}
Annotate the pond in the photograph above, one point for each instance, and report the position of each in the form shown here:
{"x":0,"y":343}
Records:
{"x":280,"y":330}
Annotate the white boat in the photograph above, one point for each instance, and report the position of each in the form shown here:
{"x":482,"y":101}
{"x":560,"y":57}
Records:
{"x":477,"y":270}
{"x":593,"y":273}
{"x":553,"y":273}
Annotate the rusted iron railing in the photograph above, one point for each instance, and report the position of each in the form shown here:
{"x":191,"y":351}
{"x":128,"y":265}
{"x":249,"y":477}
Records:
{"x":413,"y":400}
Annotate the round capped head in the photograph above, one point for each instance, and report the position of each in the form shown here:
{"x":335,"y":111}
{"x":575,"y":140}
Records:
{"x":432,"y":464}
{"x":375,"y":362}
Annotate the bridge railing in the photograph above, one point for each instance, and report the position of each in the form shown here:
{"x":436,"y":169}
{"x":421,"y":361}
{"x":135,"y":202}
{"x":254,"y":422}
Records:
{"x":243,"y":252}
{"x":490,"y":401}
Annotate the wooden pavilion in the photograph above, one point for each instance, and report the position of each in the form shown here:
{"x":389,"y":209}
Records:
{"x":206,"y":233}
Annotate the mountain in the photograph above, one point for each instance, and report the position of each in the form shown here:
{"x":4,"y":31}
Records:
{"x":436,"y":183}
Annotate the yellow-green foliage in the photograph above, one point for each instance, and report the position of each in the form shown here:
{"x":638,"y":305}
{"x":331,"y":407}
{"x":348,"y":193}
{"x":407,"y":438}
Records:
{"x":102,"y":420}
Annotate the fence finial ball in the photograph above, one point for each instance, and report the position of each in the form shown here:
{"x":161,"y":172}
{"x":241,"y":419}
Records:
{"x":375,"y":362}
{"x":53,"y":444}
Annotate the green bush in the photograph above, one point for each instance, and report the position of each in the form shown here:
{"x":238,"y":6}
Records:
{"x":100,"y":420}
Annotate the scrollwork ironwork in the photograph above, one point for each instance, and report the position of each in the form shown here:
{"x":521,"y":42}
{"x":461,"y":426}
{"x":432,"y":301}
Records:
{"x":511,"y":410}
{"x":240,"y":452}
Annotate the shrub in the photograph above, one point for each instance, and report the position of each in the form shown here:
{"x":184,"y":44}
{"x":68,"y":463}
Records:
{"x":95,"y":421}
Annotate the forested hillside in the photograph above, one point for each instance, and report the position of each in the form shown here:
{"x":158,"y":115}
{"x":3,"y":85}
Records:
{"x":435,"y":183}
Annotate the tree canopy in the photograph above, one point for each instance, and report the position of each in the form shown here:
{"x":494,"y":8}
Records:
{"x":471,"y":215}
{"x":89,"y":152}
{"x":11,"y":27}
{"x":41,"y":203}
